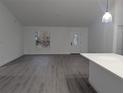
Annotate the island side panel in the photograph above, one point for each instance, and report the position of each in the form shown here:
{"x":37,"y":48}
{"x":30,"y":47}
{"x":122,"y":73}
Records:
{"x":104,"y":81}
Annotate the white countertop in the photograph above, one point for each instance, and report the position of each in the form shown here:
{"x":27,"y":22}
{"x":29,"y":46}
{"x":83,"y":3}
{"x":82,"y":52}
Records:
{"x":110,"y":61}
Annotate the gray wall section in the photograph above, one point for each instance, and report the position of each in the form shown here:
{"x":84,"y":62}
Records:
{"x":11,"y":36}
{"x":106,"y":38}
{"x":100,"y":38}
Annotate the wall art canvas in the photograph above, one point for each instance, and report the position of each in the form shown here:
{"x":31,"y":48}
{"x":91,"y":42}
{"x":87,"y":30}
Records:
{"x":42,"y":39}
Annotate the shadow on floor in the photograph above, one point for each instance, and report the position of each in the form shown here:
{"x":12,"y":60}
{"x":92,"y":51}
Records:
{"x":79,"y":84}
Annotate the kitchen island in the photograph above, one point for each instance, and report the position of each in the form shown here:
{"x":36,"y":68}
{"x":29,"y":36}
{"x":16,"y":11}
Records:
{"x":105,"y":72}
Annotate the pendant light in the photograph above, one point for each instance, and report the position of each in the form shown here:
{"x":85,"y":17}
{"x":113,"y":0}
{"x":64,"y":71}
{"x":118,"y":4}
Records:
{"x":107,"y":17}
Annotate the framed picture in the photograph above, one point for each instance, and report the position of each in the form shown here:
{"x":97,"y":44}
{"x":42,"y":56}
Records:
{"x":42,"y":39}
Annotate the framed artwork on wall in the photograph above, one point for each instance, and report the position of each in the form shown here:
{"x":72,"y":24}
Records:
{"x":42,"y":39}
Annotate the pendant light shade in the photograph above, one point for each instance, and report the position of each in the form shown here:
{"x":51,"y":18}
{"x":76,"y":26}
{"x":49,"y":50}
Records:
{"x":107,"y":17}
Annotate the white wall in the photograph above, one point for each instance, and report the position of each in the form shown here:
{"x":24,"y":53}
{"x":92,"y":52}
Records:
{"x":100,"y":37}
{"x":107,"y":37}
{"x":104,"y":81}
{"x":60,"y":40}
{"x":11,"y":36}
{"x":118,"y":27}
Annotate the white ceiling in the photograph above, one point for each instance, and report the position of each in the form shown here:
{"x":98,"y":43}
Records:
{"x":55,"y":12}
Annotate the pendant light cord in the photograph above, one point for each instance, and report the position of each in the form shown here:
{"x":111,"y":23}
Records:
{"x":107,"y":6}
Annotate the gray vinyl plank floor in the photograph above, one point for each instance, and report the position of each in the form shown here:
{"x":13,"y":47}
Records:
{"x":46,"y":74}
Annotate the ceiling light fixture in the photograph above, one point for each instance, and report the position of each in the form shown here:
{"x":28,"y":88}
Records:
{"x":107,"y":17}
